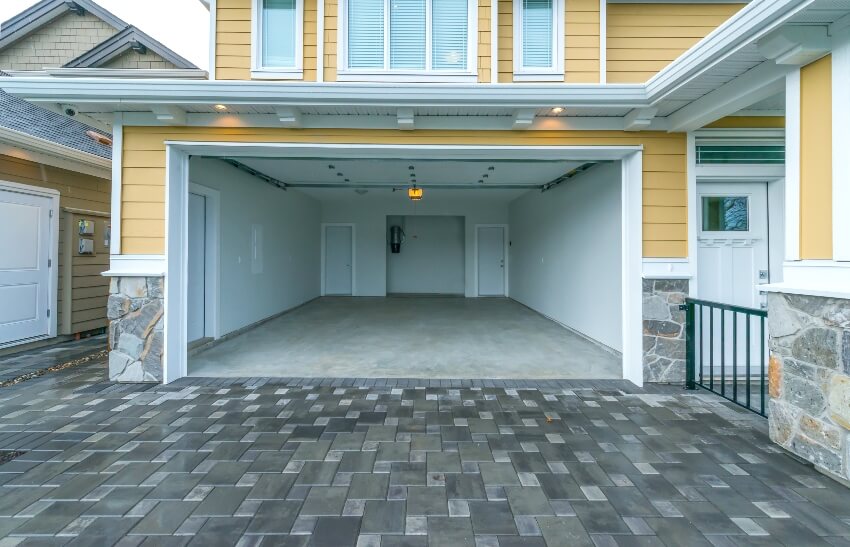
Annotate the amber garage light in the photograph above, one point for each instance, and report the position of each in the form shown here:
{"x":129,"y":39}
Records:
{"x":220,"y":107}
{"x":414,"y":193}
{"x":557,"y":110}
{"x":99,"y":138}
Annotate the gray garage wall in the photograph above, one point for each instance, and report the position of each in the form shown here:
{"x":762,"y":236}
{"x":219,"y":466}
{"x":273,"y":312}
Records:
{"x":290,"y":224}
{"x":432,"y":258}
{"x":565,"y":254}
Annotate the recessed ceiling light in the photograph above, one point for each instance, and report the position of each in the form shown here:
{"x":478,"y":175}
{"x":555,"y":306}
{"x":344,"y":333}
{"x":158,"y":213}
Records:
{"x":485,"y":175}
{"x":557,"y":110}
{"x":331,"y":167}
{"x":410,"y":167}
{"x":491,"y":168}
{"x":220,"y":107}
{"x":339,"y":174}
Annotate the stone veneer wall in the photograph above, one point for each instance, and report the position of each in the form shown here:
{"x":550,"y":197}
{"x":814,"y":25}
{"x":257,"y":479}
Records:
{"x":135,"y":312}
{"x":810,"y":379}
{"x":664,"y":343}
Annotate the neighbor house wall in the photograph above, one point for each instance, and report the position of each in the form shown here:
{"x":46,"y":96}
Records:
{"x":566,"y":253}
{"x":77,"y":191}
{"x":644,"y":38}
{"x":290,"y":249}
{"x":665,"y":229}
{"x":56,"y":43}
{"x":368,"y":213}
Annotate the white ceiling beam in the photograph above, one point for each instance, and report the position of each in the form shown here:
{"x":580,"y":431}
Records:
{"x":639,"y":119}
{"x":288,"y":116}
{"x":406,"y":119}
{"x":524,"y":118}
{"x":169,"y":113}
{"x":758,"y":84}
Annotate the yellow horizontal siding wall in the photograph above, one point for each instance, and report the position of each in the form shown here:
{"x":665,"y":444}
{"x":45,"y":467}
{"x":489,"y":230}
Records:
{"x":664,"y":164}
{"x":748,"y":122}
{"x":484,"y":40}
{"x":331,"y":33}
{"x":76,"y":191}
{"x":581,"y":42}
{"x":233,"y":40}
{"x":506,"y":41}
{"x":816,"y":160}
{"x":642,"y":39}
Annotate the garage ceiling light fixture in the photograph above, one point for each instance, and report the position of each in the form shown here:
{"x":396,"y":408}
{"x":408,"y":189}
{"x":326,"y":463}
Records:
{"x":414,"y":193}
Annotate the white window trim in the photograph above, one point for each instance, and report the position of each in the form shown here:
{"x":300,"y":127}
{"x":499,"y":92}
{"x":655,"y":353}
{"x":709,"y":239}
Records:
{"x":345,"y":74}
{"x":258,"y":71}
{"x":556,"y":72}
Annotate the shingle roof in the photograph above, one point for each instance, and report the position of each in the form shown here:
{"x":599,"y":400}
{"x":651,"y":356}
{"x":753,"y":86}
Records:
{"x":47,"y":10}
{"x":24,"y":117}
{"x":129,"y":38}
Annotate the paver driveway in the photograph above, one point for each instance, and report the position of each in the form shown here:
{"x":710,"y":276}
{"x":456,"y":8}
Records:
{"x":278,"y":462}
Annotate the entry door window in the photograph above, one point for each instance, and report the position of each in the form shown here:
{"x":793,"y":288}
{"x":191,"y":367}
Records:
{"x":725,"y":214}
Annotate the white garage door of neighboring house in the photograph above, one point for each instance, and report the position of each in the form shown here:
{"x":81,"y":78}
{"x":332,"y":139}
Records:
{"x":25,"y":265}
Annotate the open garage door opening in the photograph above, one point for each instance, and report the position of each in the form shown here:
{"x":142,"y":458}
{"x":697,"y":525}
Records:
{"x":339,"y":267}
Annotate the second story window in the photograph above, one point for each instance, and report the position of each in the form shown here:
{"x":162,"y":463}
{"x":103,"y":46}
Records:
{"x":278,"y":41}
{"x":409,"y":39}
{"x":538,"y":40}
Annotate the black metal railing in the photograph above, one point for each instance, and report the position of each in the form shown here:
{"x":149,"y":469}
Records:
{"x":727,"y":352}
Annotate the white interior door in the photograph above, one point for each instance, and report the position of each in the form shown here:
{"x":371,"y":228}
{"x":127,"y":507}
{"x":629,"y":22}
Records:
{"x":733,"y":256}
{"x":338,"y":260}
{"x":196,"y":313}
{"x":491,"y":261}
{"x":24,"y":268}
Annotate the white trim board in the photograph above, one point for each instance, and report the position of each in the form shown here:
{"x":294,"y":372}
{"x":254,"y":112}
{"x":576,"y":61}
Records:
{"x":792,"y":165}
{"x":135,"y":265}
{"x":212,"y":269}
{"x":353,"y":227}
{"x":840,"y":138}
{"x":117,"y":178}
{"x":177,"y":189}
{"x":826,"y":278}
{"x":213,"y":41}
{"x":56,"y":155}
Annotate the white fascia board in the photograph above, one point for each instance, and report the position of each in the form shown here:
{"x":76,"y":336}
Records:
{"x":755,"y":85}
{"x":118,"y":92}
{"x":67,"y":156}
{"x":751,"y":23}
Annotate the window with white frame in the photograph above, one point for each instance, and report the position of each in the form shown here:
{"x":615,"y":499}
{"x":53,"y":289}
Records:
{"x":278,"y":42}
{"x":539,"y":39}
{"x":408,"y":37}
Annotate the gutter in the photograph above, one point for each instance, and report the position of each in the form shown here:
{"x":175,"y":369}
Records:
{"x":37,"y":144}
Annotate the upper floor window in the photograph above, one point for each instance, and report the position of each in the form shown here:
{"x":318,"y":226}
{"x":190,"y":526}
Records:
{"x":278,"y":39}
{"x":539,"y":40}
{"x":408,"y":38}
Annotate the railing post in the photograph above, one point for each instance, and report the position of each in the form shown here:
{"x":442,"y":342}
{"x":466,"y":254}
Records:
{"x":690,"y":346}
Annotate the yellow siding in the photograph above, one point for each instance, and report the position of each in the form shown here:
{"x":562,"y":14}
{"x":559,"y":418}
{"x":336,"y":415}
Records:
{"x":748,"y":122}
{"x":506,"y":41}
{"x":665,"y":171}
{"x":484,"y":40}
{"x":331,"y":25}
{"x":581,"y":42}
{"x":233,"y":40}
{"x":816,"y":160}
{"x":76,"y":191}
{"x":642,"y":39}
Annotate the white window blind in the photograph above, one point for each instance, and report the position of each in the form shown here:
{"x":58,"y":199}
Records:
{"x":451,"y":33}
{"x":366,"y":34}
{"x":537,"y":19}
{"x":279,"y":33}
{"x":408,"y":35}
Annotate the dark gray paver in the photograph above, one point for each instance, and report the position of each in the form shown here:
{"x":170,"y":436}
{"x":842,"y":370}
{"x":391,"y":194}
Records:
{"x":347,"y":462}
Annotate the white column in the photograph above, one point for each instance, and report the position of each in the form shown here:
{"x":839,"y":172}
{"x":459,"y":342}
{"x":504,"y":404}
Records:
{"x":840,"y":146}
{"x":117,"y":162}
{"x":792,"y":165}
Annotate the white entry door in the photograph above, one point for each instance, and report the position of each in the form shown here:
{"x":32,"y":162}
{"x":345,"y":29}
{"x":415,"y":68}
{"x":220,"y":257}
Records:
{"x":733,"y":242}
{"x":338,"y":260}
{"x":491,"y":261}
{"x":24,"y":267}
{"x":196,"y":312}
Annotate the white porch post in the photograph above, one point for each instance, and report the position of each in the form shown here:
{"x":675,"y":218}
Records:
{"x":176,"y":251}
{"x":840,"y":141}
{"x":792,"y":165}
{"x":632,"y":227}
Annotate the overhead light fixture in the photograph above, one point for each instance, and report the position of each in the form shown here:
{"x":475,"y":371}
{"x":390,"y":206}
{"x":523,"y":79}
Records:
{"x":99,"y":138}
{"x":557,"y":110}
{"x":220,"y":107}
{"x":414,"y":193}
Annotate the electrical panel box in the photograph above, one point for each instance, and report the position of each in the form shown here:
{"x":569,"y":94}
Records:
{"x":86,"y":227}
{"x":86,"y":246}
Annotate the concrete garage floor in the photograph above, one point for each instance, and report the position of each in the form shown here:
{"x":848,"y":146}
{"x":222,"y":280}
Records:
{"x":409,"y":337}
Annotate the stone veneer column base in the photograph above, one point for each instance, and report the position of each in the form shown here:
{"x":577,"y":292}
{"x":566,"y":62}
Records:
{"x":135,"y":312}
{"x":664,"y":343}
{"x":809,"y":372}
